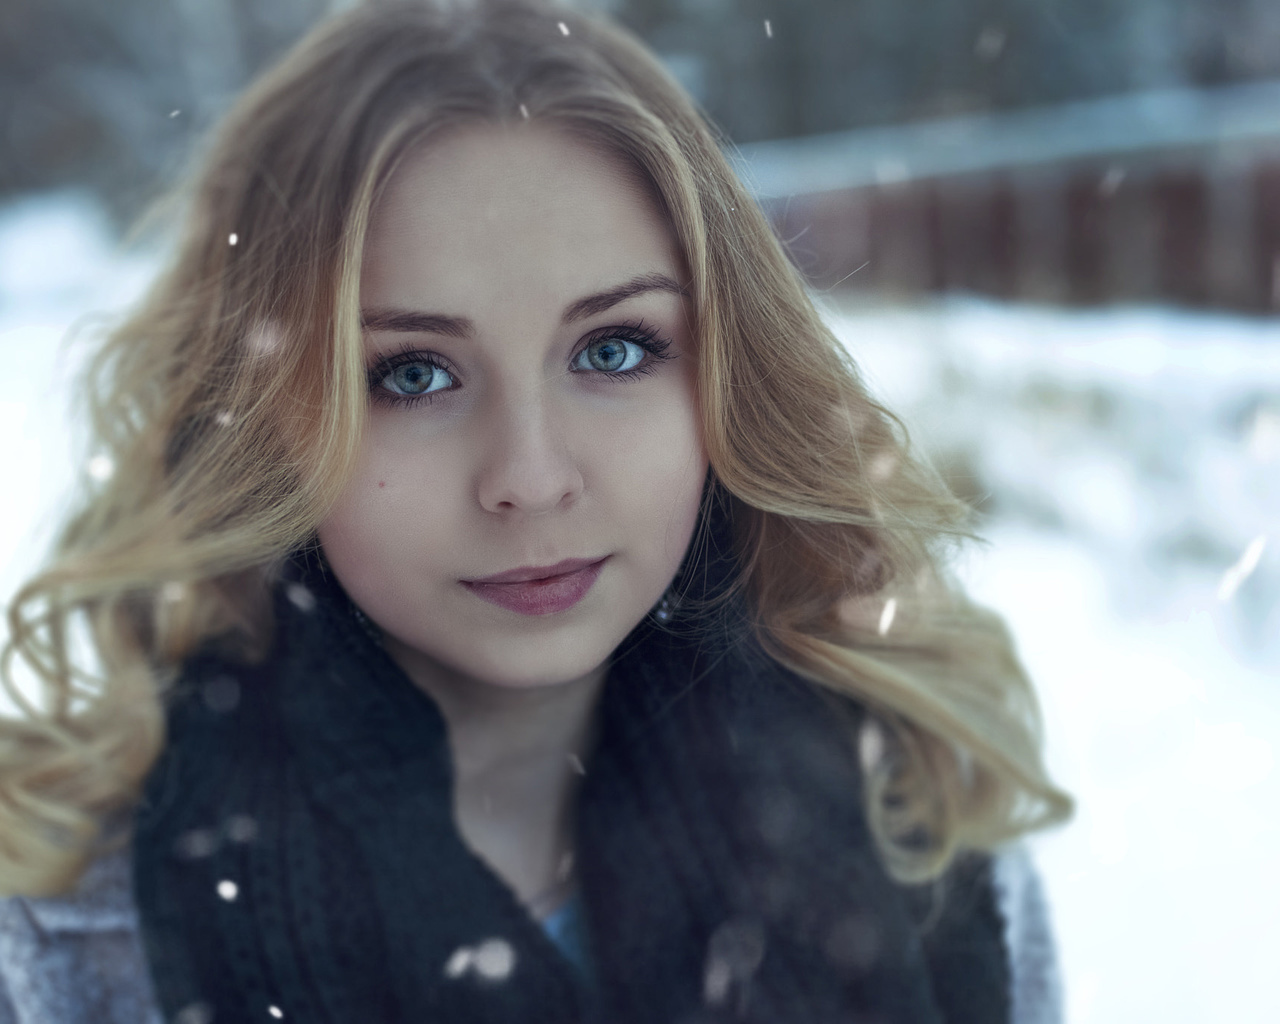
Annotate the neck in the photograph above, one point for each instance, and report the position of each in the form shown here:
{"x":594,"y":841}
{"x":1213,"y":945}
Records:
{"x":518,"y":754}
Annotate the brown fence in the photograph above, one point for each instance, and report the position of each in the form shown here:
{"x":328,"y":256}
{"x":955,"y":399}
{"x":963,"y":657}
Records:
{"x":1185,"y":213}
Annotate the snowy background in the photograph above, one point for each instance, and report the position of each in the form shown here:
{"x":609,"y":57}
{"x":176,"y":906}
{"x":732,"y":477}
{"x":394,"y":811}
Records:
{"x":1128,"y":465}
{"x":1131,"y":465}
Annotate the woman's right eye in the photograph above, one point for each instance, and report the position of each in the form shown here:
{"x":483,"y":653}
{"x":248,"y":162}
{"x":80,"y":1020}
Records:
{"x":408,"y":379}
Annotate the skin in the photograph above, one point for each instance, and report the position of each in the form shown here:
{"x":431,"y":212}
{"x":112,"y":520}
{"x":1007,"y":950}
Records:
{"x":528,"y":453}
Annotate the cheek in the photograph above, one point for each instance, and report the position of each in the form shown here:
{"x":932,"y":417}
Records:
{"x":388,"y":501}
{"x":354,"y":537}
{"x":666,"y":485}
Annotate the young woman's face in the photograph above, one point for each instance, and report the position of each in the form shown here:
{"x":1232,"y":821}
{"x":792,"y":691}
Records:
{"x":532,"y":404}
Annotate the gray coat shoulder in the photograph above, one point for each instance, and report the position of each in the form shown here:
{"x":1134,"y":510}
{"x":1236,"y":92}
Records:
{"x":1036,"y":996}
{"x":76,"y":959}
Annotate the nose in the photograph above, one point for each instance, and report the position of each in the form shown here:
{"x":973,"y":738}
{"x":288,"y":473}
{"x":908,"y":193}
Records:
{"x":529,"y":465}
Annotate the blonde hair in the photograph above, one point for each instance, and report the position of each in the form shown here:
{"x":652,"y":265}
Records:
{"x":232,"y":401}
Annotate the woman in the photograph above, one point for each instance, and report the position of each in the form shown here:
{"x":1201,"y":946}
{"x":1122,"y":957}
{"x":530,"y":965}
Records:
{"x":508,"y":603}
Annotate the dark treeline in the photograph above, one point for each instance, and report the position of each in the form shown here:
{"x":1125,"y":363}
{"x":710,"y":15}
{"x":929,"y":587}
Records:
{"x":89,"y":90}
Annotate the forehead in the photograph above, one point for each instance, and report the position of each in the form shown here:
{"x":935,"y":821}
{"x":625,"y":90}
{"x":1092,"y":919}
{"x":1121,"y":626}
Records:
{"x":527,"y":205}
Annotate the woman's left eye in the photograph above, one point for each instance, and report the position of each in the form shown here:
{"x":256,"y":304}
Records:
{"x":621,"y":353}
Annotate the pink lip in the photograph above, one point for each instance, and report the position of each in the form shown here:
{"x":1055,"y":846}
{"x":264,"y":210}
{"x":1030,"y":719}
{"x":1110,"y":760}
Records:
{"x":539,"y":590}
{"x":537,"y":572}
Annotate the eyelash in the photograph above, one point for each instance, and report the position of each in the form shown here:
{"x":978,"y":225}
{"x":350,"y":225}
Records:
{"x":638,"y":333}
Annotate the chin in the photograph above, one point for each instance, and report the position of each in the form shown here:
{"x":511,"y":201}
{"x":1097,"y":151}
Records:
{"x":529,"y":672}
{"x":543,"y":682}
{"x":521,"y":667}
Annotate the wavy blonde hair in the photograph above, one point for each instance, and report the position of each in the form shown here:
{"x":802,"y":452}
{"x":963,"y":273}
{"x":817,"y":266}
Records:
{"x":218,"y":475}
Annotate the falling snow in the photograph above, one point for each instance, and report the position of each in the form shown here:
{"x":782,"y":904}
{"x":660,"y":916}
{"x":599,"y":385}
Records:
{"x":491,"y":960}
{"x":196,"y":844}
{"x":300,"y":597}
{"x":886,"y":616}
{"x":228,"y":890}
{"x":241,"y":828}
{"x":883,"y":466}
{"x":1243,"y":569}
{"x":1111,"y":181}
{"x":195,"y":1013}
{"x":101,"y":468}
{"x":990,"y":43}
{"x":494,"y":959}
{"x":459,"y":962}
{"x":871,"y":745}
{"x":263,"y":339}
{"x":565,"y":867}
{"x":734,"y":953}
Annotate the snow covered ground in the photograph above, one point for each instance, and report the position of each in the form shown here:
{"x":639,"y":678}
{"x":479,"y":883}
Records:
{"x":1129,"y":463}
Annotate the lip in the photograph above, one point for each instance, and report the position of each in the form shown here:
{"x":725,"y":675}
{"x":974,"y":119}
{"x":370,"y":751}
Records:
{"x":538,"y":572}
{"x":539,"y":590}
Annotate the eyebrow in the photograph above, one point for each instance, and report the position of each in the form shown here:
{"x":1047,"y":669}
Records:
{"x":413,"y":321}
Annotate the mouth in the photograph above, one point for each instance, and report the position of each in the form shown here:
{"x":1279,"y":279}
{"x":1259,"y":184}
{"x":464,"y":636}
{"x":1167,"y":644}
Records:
{"x":531,"y":573}
{"x":539,"y":590}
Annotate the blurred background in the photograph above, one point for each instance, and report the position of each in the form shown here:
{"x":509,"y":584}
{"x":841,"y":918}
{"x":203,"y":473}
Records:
{"x":1049,"y":232}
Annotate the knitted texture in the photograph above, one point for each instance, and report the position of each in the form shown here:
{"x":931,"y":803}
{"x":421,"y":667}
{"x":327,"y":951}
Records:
{"x":297,"y":850}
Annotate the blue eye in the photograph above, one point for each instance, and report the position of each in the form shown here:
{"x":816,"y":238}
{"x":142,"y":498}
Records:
{"x":408,"y":377}
{"x":415,"y":379}
{"x":622,"y":353}
{"x":611,"y":355}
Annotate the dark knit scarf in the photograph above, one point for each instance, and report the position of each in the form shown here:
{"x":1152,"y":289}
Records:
{"x":296,"y":855}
